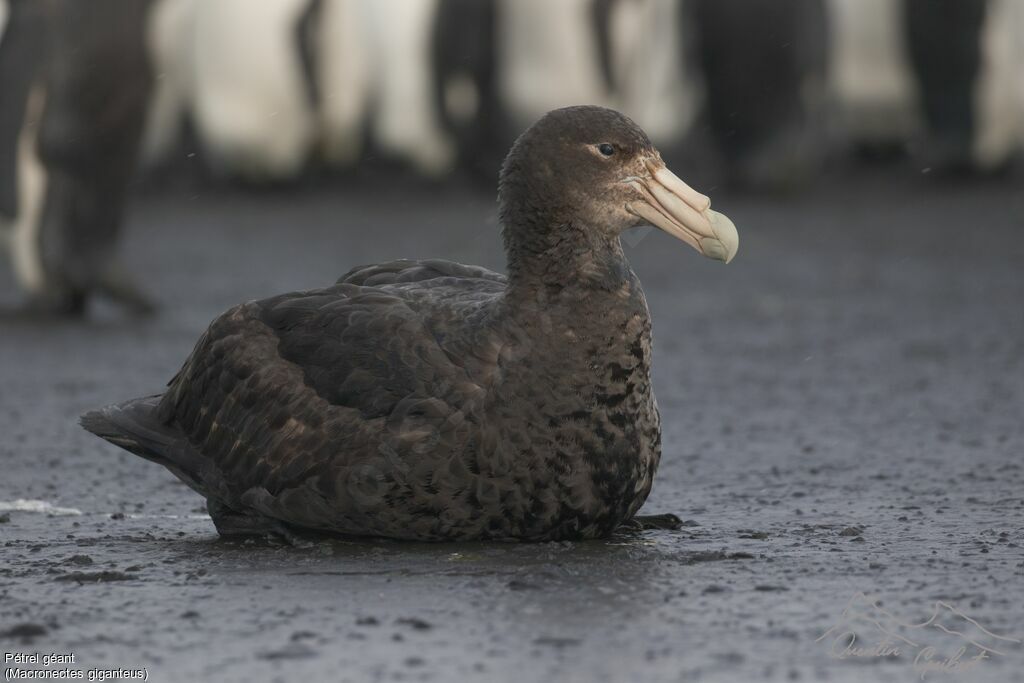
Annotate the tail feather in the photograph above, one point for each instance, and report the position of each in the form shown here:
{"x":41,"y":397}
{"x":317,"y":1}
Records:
{"x":135,"y":426}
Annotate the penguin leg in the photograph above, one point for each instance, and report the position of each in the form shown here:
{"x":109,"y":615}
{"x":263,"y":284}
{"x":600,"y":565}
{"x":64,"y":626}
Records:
{"x":117,"y":284}
{"x":30,"y":185}
{"x":47,"y":306}
{"x":776,"y":144}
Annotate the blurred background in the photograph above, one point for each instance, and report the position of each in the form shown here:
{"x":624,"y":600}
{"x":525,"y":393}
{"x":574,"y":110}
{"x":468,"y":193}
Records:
{"x":858,"y":367}
{"x":760,"y":95}
{"x":443,"y":86}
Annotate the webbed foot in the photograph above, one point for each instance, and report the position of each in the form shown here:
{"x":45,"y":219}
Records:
{"x":666,"y":521}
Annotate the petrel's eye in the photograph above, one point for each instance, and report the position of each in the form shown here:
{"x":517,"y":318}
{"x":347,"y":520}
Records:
{"x":606,"y":149}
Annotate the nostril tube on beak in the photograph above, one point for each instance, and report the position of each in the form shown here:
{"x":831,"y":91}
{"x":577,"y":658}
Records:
{"x":700,"y":202}
{"x":682,"y":210}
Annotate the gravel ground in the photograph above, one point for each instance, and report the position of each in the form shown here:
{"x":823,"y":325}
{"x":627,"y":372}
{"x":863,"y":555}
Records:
{"x":842,"y":410}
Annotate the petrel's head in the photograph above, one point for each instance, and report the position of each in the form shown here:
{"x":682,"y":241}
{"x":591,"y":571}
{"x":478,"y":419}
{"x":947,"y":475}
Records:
{"x":593,"y":167}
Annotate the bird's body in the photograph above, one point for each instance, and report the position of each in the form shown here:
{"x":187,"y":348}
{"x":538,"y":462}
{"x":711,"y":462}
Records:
{"x":426,"y":400}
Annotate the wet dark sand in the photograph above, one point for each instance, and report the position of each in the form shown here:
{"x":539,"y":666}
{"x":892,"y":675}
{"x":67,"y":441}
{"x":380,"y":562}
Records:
{"x":843,"y":410}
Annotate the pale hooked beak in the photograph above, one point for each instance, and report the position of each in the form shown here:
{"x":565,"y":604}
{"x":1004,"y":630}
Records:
{"x":675,"y":207}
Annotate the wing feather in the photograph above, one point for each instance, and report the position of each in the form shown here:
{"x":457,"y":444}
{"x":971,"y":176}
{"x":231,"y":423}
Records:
{"x":332,"y":388}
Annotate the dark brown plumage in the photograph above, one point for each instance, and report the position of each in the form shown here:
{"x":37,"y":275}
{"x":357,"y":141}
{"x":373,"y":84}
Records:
{"x":431,"y":400}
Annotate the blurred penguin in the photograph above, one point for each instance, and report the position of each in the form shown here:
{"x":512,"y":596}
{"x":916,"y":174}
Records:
{"x":763,"y":64}
{"x":938,"y":79}
{"x":548,"y":57}
{"x":429,"y":83}
{"x":999,"y":96}
{"x":464,"y":56}
{"x":967,"y":57}
{"x":76,"y":82}
{"x":405,"y":124}
{"x":170,"y":37}
{"x":870,"y":81}
{"x":250,"y":104}
{"x":343,"y":74}
{"x":642,"y":50}
{"x":944,"y":49}
{"x":500,"y":64}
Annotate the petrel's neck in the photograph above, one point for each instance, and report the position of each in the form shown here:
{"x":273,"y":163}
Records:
{"x":563,"y":257}
{"x":571,"y":301}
